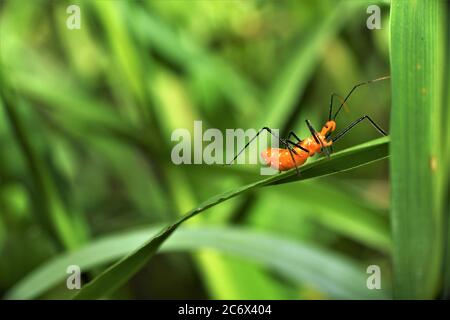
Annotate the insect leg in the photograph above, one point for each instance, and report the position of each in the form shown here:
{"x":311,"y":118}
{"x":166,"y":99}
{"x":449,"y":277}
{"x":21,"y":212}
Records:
{"x":283,"y":142}
{"x":292,"y":133}
{"x":314,"y":134}
{"x":291,"y":150}
{"x":343,"y":132}
{"x":293,"y":160}
{"x":297,"y":145}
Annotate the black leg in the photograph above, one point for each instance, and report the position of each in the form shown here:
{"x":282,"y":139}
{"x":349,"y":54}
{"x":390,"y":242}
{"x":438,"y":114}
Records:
{"x":297,"y":145}
{"x":293,"y":160}
{"x":343,"y":132}
{"x":354,"y":88}
{"x":331,"y":104}
{"x":256,"y":136}
{"x":292,"y":133}
{"x":314,"y":134}
{"x":283,"y":142}
{"x":291,"y":151}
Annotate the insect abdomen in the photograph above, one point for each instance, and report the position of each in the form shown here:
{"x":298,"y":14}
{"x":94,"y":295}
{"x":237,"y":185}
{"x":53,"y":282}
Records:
{"x":281,"y":159}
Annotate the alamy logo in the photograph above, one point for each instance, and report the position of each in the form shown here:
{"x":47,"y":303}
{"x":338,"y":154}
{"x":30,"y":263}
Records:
{"x":191,"y":150}
{"x":74,"y":19}
{"x":374,"y":20}
{"x":374,"y":280}
{"x":73,"y":281}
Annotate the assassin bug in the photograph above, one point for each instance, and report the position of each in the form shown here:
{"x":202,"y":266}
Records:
{"x":295,"y":154}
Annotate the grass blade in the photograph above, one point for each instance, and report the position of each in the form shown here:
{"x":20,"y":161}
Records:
{"x":297,"y":262}
{"x":446,"y":119}
{"x":417,"y":166}
{"x":121,"y":271}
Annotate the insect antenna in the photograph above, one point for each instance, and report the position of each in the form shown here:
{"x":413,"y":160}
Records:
{"x":330,"y":112}
{"x":353,"y":89}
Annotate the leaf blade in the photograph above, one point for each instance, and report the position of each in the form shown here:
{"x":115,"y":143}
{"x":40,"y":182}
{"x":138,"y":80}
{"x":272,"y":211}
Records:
{"x":121,"y":271}
{"x":299,"y":262}
{"x":417,"y":53}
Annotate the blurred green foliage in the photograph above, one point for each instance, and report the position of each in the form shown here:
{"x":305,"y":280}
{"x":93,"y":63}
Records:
{"x":85,"y":135}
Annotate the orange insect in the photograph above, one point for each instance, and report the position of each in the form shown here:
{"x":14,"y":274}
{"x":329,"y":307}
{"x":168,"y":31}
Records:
{"x":295,"y":154}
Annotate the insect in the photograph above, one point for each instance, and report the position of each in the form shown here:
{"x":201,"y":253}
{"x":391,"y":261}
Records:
{"x":295,"y":154}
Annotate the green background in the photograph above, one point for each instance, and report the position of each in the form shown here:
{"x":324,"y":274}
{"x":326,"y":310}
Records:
{"x":86,"y":120}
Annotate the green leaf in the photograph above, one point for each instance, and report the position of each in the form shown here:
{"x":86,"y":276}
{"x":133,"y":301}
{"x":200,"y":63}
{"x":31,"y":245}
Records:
{"x":418,"y":38}
{"x":446,"y":121}
{"x":300,"y":263}
{"x":121,"y":271}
